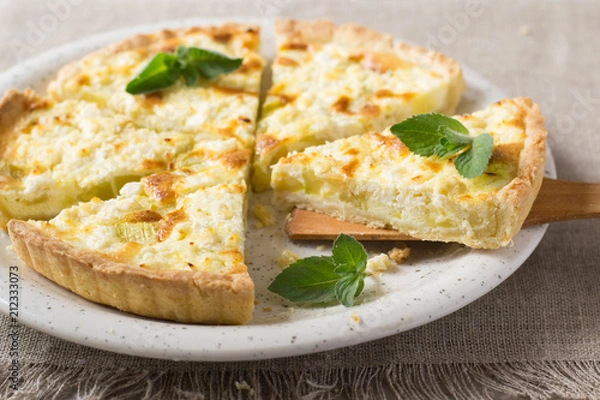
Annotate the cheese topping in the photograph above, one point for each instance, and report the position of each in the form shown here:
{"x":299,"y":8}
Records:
{"x":322,"y":93}
{"x":375,"y":179}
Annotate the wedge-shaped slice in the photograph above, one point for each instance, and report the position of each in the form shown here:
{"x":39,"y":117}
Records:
{"x":334,"y":81}
{"x":170,"y":246}
{"x":56,"y":154}
{"x":374,"y":179}
{"x":226,"y":106}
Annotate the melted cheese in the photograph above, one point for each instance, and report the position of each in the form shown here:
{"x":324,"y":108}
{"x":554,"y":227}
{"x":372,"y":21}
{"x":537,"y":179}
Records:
{"x":322,"y":93}
{"x":196,"y":227}
{"x":225,"y":107}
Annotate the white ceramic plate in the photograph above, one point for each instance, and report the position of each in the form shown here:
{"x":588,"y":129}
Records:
{"x":438,"y":280}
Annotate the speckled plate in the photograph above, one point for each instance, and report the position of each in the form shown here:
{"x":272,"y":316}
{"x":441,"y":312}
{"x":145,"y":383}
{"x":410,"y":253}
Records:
{"x":438,"y":280}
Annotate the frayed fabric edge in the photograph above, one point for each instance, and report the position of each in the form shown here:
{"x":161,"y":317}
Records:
{"x":534,"y":380}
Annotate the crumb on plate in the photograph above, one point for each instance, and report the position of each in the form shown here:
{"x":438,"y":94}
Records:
{"x":399,"y":254}
{"x":287,"y":257}
{"x":380,"y":263}
{"x":263,"y":215}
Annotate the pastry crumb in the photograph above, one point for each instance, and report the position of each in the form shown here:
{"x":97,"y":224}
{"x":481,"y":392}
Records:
{"x":380,"y":263}
{"x":263,"y":215}
{"x":243,"y":385}
{"x":524,"y":30}
{"x":287,"y":257}
{"x":399,"y":255}
{"x":267,"y":309}
{"x":355,"y":318}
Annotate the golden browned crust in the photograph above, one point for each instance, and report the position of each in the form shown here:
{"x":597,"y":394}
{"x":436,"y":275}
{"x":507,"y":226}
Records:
{"x":441,"y":65}
{"x":195,"y":297}
{"x":514,"y":201}
{"x":161,"y":40}
{"x":292,"y":32}
{"x":13,"y":105}
{"x":169,"y":40}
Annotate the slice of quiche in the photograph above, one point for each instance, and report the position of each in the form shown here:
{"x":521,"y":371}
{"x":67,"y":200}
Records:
{"x":226,"y":106}
{"x":54,"y":154}
{"x":170,"y":246}
{"x":334,"y":81}
{"x":374,"y":179}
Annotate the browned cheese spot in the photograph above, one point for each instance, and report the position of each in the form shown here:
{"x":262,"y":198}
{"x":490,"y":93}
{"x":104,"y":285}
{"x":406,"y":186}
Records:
{"x":370,"y":110}
{"x":293,"y":46}
{"x":83,"y":80}
{"x":249,"y":64}
{"x":168,"y":223}
{"x":150,"y":100}
{"x":350,"y":168}
{"x":383,"y":62}
{"x":153,"y":165}
{"x":160,"y":186}
{"x":286,"y":62}
{"x":143,"y":216}
{"x":341,"y":105}
{"x":236,"y":159}
{"x":265,"y":143}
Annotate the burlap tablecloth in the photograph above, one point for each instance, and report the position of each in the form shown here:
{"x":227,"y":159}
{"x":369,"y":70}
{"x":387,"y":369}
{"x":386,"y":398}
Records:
{"x":537,"y":334}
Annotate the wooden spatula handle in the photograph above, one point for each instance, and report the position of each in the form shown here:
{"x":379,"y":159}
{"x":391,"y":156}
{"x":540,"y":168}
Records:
{"x":556,"y":201}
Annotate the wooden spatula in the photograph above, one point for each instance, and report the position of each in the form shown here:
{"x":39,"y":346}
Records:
{"x":556,"y":201}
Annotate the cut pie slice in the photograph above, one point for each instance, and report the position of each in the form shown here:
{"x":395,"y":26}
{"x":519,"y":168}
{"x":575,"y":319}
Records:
{"x":226,"y":106}
{"x":56,"y":154}
{"x":170,"y":246}
{"x":91,"y":137}
{"x":334,"y":81}
{"x":374,"y":179}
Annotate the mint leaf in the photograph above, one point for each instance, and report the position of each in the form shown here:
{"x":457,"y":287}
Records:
{"x":321,"y":279}
{"x":420,"y":133}
{"x":446,"y":149}
{"x":308,"y":280}
{"x":191,"y":63}
{"x":161,"y":72}
{"x":209,"y":64}
{"x":349,"y":255}
{"x":190,"y":75}
{"x":474,"y":161}
{"x":444,"y":137}
{"x":349,"y":287}
{"x":456,"y":137}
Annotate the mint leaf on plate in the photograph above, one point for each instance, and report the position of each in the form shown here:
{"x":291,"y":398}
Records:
{"x":320,"y":279}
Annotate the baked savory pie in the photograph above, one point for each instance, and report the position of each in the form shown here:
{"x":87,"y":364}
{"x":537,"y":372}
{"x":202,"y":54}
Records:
{"x":91,"y":136}
{"x":334,"y":81}
{"x":374,"y":179}
{"x":170,"y":246}
{"x":225,"y":107}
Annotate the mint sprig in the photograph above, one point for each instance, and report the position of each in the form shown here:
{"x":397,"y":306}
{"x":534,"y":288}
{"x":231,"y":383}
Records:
{"x":435,"y":134}
{"x":189,"y":63}
{"x":340,"y":276}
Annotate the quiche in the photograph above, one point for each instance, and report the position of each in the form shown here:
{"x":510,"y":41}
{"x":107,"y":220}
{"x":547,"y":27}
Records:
{"x":170,"y":246}
{"x":90,"y":136}
{"x":330,"y":82}
{"x":225,"y":107}
{"x":374,"y":179}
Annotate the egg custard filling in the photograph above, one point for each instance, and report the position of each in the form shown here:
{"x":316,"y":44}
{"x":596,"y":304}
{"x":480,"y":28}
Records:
{"x":334,"y":81}
{"x":374,"y":179}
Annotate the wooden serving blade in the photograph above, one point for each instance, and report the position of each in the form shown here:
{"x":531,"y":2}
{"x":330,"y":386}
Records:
{"x":556,"y":201}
